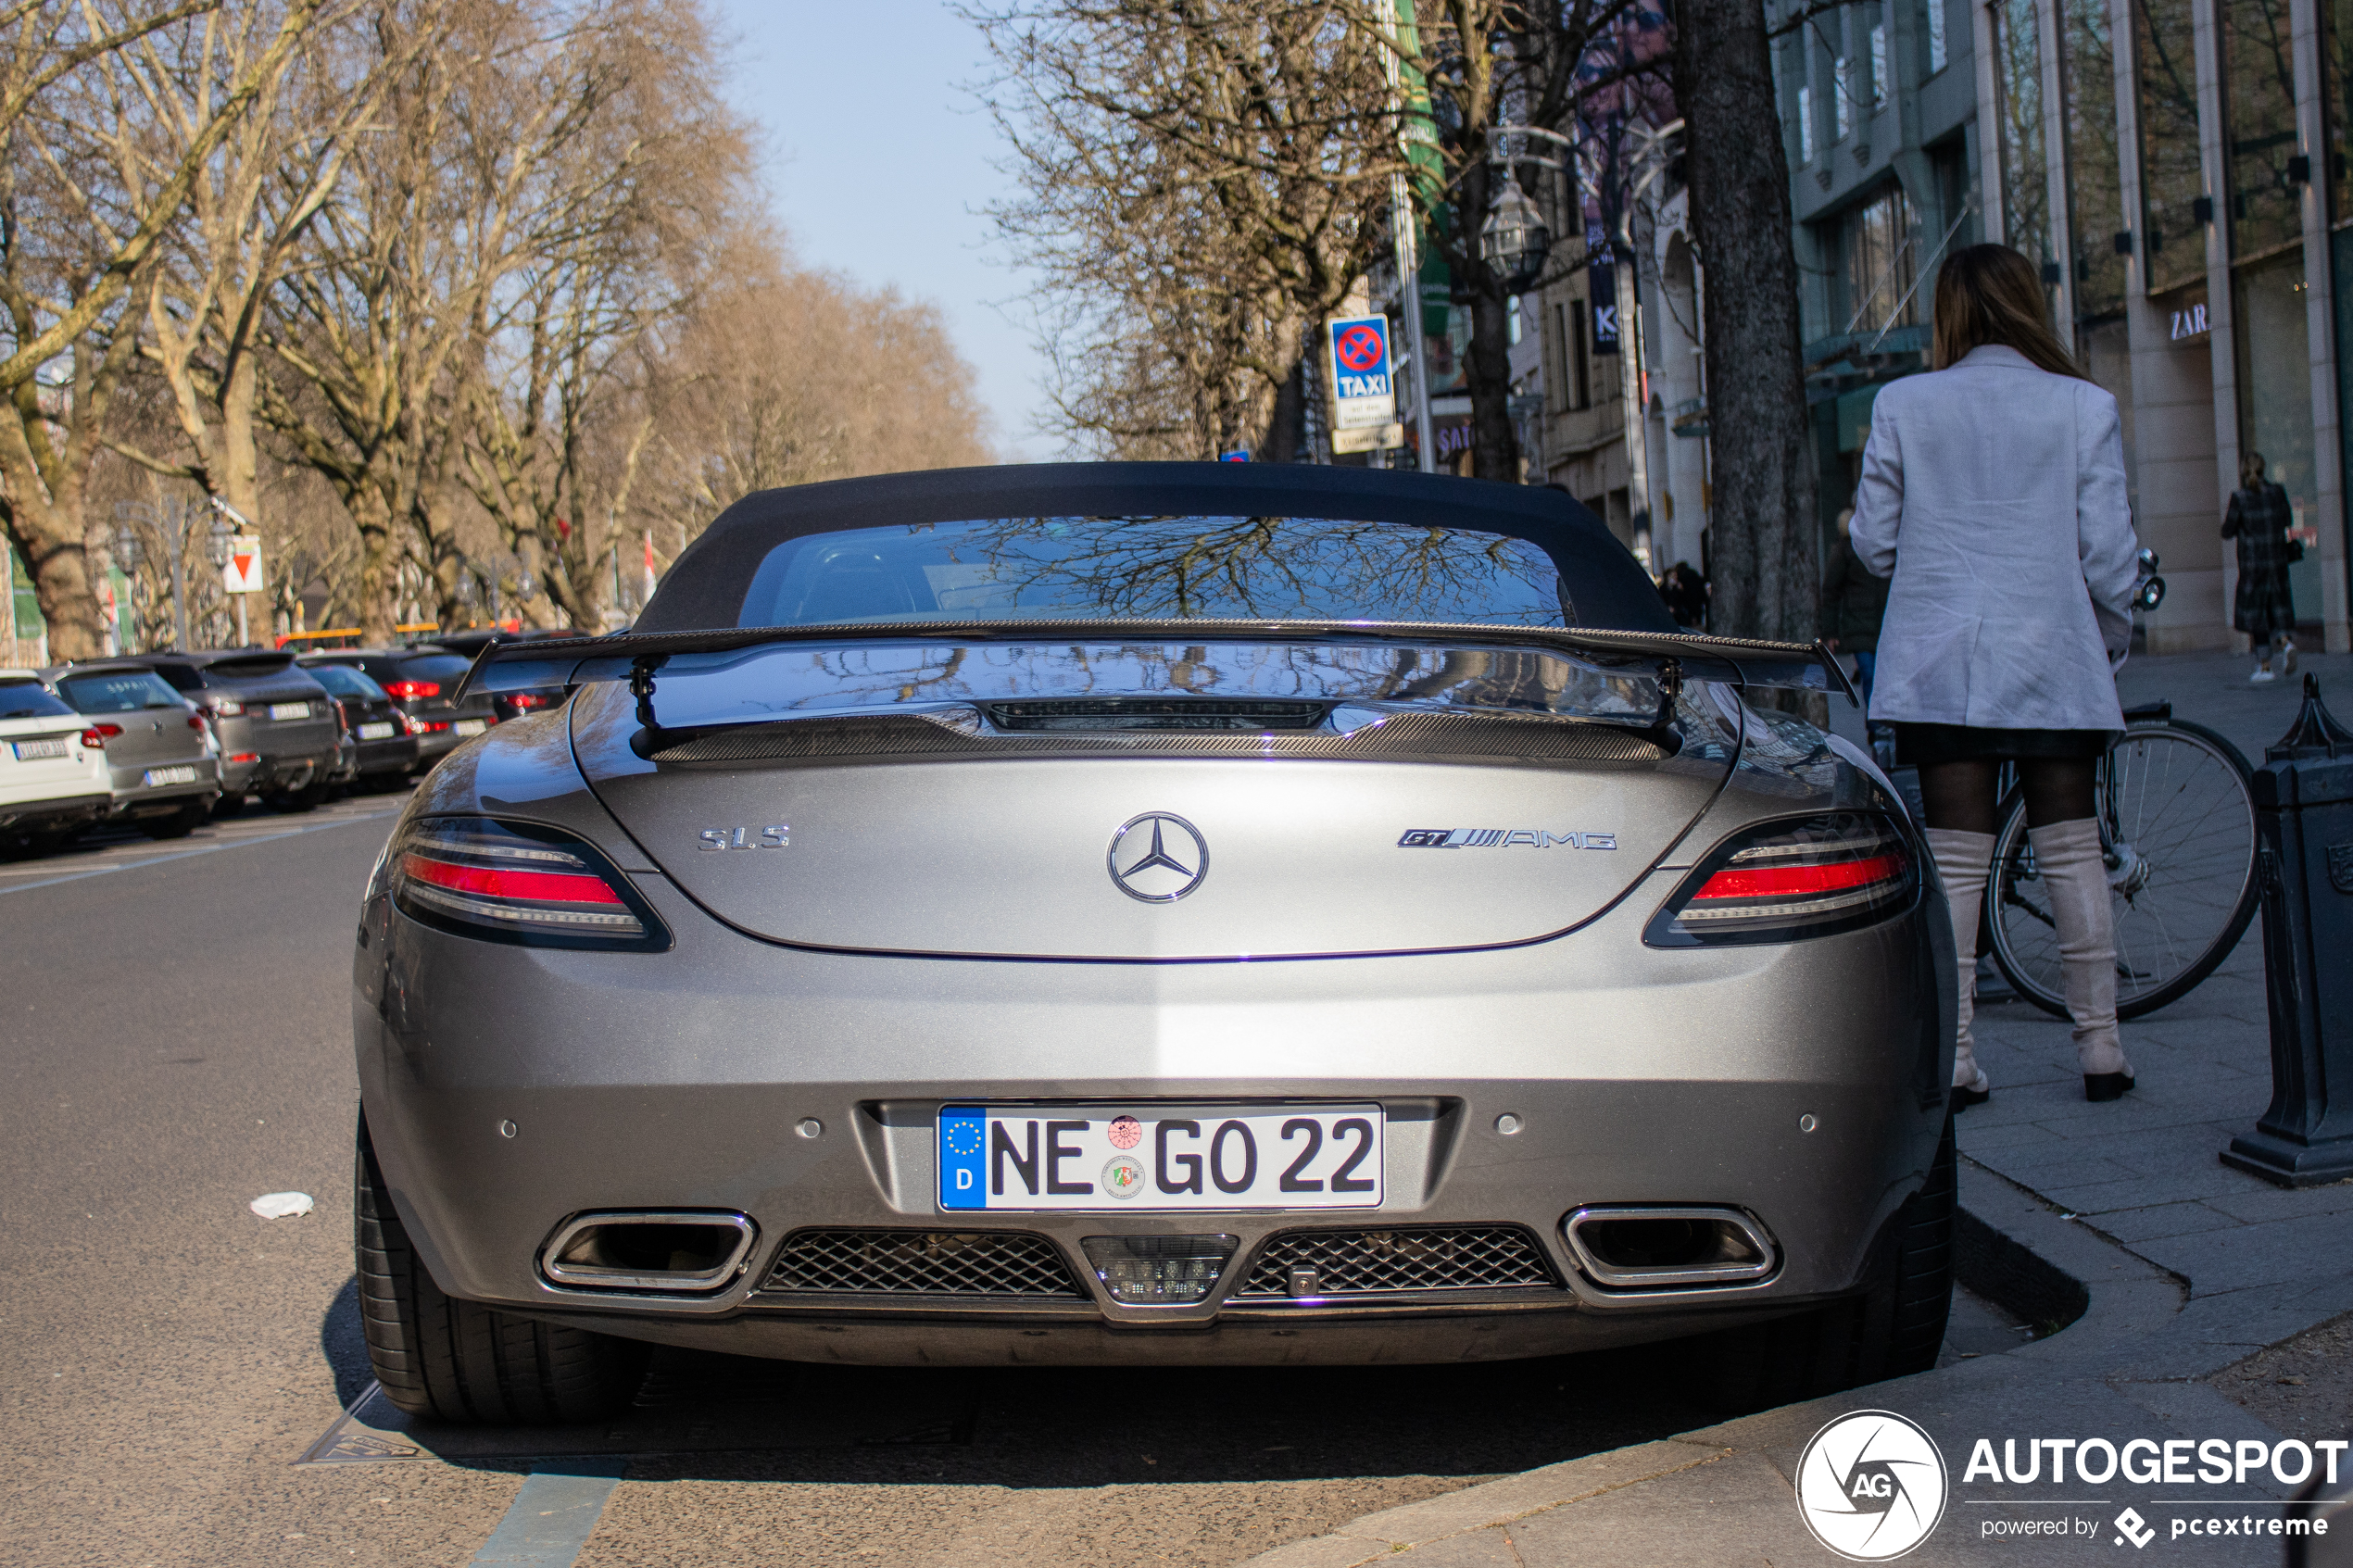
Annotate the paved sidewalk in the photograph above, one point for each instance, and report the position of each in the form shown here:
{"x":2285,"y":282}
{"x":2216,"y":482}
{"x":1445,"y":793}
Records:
{"x":2187,"y":1266}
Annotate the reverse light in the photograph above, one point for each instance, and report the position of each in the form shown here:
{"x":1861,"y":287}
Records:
{"x":97,"y":735}
{"x":408,"y":691}
{"x":1810,"y":876}
{"x":226,"y":707}
{"x":519,"y":882}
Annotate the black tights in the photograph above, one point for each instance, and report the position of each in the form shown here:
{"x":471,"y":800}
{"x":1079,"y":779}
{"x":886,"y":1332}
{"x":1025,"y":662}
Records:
{"x":1959,"y":795}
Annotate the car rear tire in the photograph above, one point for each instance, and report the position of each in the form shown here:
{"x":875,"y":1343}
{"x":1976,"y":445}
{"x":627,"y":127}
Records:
{"x":455,"y":1361}
{"x":310,"y":797}
{"x":1892,"y":1330}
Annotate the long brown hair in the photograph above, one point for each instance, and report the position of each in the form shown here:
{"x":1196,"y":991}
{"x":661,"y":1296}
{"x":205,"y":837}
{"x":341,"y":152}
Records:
{"x":1990,"y":293}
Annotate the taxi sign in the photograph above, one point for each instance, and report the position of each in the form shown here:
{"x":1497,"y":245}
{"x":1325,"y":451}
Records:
{"x":1361,"y":388}
{"x":242,"y":575}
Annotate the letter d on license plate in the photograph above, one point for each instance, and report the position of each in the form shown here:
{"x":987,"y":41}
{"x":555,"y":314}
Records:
{"x":1188,"y":1157}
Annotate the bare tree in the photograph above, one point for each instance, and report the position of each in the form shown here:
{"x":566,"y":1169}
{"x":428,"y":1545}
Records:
{"x":1203,"y":181}
{"x":80,"y":219}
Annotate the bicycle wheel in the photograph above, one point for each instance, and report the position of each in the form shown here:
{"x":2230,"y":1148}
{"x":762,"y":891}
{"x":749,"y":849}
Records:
{"x":2177,"y":821}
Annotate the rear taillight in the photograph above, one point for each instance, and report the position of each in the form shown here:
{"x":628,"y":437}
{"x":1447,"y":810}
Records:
{"x":226,"y":707}
{"x":196,"y":722}
{"x":523,"y":702}
{"x":400,"y":718}
{"x":517,"y":883}
{"x":97,"y":735}
{"x":429,"y":727}
{"x":408,"y":690}
{"x":245,"y":756}
{"x":1811,"y":876}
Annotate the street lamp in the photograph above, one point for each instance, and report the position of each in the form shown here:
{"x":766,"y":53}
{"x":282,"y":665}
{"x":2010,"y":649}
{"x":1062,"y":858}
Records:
{"x":1513,"y":238}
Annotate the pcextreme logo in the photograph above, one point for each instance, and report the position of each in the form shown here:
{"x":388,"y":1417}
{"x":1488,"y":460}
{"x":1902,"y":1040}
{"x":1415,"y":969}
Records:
{"x":1871,"y":1486}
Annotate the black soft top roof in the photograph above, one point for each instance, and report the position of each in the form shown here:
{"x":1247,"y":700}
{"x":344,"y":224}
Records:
{"x":704,"y":589}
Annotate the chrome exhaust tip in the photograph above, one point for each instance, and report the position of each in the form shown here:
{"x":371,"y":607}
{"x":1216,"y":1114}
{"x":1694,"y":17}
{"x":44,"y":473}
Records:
{"x":674,"y":1251}
{"x":1634,"y":1247}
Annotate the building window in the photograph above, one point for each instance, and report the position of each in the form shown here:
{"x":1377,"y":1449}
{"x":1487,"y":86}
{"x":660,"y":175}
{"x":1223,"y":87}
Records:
{"x":1879,"y":261}
{"x":1842,"y":98}
{"x":1512,"y":328}
{"x":2017,"y":82}
{"x":2095,"y":188}
{"x":1879,"y":67}
{"x":1805,"y":125}
{"x":2336,"y":80}
{"x":2259,"y":99}
{"x":2170,"y":181}
{"x":1939,"y":55}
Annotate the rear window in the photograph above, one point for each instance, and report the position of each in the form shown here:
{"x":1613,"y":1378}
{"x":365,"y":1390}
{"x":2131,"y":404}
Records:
{"x":227,"y":671}
{"x":344,"y":681}
{"x":126,"y":691}
{"x":1158,"y":568}
{"x":445,"y":667}
{"x":29,"y":699}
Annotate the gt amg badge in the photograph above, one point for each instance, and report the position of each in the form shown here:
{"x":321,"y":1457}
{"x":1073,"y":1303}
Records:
{"x":1503,"y":838}
{"x":1161,"y":865}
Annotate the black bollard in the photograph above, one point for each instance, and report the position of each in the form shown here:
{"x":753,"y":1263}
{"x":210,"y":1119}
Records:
{"x":2304,"y":854}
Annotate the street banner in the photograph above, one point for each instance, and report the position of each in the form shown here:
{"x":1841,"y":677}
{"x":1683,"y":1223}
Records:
{"x":1600,"y":287}
{"x":242,"y":572}
{"x":1362,"y":394}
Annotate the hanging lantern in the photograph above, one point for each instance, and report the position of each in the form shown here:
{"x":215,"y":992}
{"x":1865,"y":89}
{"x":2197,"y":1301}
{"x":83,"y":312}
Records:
{"x":1513,"y":240}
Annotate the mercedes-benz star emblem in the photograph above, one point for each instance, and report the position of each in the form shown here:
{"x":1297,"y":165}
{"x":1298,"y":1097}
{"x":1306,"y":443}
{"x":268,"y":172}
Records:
{"x":1157,"y":858}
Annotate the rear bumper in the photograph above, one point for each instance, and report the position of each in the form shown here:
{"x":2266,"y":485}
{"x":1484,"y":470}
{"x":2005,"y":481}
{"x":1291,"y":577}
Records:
{"x":133,"y":796}
{"x":677,"y":1081}
{"x":61,"y":811}
{"x":398,"y":755}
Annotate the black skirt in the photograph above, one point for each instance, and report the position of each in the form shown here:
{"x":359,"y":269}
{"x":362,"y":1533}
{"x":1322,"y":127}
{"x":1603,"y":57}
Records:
{"x":1920,"y":744}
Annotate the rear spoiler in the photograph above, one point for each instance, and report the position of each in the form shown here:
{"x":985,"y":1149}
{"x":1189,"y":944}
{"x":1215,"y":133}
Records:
{"x":573,"y":661}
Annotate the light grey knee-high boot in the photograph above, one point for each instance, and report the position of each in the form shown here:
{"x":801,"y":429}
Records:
{"x":2074,"y":873}
{"x":1961,"y":863}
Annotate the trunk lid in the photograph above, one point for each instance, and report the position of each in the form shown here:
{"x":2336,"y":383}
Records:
{"x":1002,"y":802}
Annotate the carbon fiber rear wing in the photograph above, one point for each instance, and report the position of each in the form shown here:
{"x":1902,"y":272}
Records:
{"x":572,"y":661}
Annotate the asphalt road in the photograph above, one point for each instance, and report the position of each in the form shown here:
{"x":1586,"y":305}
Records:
{"x":174,"y":1038}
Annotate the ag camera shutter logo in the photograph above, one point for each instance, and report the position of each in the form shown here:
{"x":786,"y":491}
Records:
{"x":1871,"y":1486}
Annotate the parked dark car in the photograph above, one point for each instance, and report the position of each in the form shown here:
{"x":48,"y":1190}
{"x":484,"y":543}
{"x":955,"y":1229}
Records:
{"x":162,"y":769}
{"x":423,"y":681}
{"x":379,"y":742}
{"x":509,"y":704}
{"x":275,"y":726}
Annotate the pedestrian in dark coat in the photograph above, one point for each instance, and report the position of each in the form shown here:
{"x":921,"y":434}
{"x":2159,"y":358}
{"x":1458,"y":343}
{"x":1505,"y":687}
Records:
{"x":2259,"y":517}
{"x":1685,"y":593}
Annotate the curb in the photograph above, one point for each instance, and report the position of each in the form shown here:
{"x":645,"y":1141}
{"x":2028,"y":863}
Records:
{"x":2009,"y":1246}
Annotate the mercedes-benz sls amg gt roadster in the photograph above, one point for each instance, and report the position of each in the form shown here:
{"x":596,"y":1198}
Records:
{"x":1151,"y":914}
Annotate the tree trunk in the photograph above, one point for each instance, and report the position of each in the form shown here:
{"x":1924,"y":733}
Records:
{"x":1762,"y":546}
{"x":1495,"y":445}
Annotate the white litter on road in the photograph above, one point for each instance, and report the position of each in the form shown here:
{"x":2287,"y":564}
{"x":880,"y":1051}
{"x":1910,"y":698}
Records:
{"x":282,"y":1205}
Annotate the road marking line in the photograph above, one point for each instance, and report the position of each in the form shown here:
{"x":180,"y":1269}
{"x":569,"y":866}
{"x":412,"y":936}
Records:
{"x":186,"y":854}
{"x":552,"y":1515}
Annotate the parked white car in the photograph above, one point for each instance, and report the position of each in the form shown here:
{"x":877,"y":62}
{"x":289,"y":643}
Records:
{"x":50,"y":783}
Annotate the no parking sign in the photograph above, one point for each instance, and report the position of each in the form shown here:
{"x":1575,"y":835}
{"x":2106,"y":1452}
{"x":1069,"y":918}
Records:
{"x":1360,"y":372}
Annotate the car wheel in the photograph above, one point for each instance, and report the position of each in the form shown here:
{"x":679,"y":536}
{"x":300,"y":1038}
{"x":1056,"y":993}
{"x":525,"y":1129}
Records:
{"x":1892,"y":1330}
{"x":310,"y":797}
{"x":455,"y":1361}
{"x":180,"y":823}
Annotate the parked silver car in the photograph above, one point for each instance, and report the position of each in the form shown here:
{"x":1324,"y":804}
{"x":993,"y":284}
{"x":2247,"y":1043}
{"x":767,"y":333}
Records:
{"x":1172,"y":913}
{"x":163,"y":771}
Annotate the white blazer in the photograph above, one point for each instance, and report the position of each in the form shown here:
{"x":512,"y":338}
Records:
{"x":1993,"y":494}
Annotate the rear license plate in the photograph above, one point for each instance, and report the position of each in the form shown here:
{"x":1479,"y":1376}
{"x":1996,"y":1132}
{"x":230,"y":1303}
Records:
{"x":36,"y":750}
{"x":1188,"y":1157}
{"x":375,"y":731}
{"x":469,"y":726}
{"x":283,"y":710}
{"x":154,"y":776}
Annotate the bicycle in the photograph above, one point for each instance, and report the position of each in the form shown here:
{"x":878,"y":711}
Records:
{"x":2176,"y":810}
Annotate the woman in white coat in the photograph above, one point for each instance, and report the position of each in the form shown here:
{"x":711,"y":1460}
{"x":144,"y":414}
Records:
{"x":1993,"y":494}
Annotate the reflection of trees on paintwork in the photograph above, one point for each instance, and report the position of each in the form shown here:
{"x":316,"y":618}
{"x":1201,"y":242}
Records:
{"x":1161,"y":568}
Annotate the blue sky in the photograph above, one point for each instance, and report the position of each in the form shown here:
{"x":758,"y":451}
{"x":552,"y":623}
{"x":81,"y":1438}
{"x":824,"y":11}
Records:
{"x":877,"y":165}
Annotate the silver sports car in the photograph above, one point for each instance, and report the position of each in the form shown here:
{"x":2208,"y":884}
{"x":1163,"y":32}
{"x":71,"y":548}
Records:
{"x":1157,"y":913}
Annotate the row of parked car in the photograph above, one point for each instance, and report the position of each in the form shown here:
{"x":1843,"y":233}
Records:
{"x":166,"y":740}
